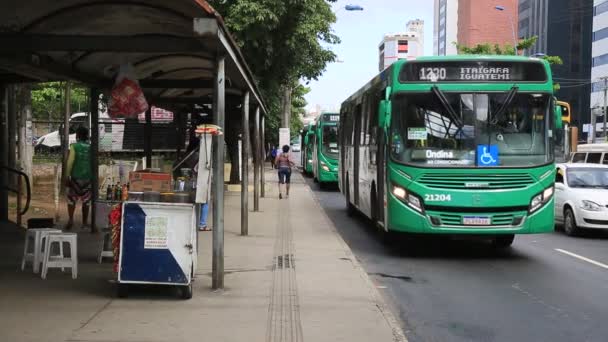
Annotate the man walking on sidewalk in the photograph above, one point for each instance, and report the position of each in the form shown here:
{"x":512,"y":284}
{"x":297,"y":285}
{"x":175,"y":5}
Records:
{"x":284,"y":164}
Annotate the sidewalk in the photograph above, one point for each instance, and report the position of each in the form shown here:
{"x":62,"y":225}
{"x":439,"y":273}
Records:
{"x":292,"y":279}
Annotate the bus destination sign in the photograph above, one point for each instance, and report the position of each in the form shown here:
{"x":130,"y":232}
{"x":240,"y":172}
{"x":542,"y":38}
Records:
{"x":331,"y":117}
{"x":467,"y":71}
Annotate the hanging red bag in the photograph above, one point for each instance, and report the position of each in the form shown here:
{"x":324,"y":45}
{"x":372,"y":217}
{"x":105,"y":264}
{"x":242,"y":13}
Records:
{"x":127,"y":100}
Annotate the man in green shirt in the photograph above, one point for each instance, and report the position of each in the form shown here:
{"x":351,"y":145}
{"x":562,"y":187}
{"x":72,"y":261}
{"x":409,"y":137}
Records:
{"x":79,"y":177}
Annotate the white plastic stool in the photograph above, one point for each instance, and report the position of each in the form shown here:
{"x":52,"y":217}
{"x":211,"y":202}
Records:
{"x":38,"y":235}
{"x":107,"y":240}
{"x":60,"y":261}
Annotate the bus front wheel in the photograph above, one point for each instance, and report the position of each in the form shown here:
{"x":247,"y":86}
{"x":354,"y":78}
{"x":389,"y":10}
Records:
{"x":503,"y":241}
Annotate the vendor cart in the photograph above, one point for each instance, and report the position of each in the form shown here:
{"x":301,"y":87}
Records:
{"x":157,"y":246}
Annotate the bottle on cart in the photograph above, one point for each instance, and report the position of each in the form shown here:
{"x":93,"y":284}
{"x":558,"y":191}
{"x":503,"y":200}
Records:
{"x":109,"y":191}
{"x":124,"y":192}
{"x":117,"y":192}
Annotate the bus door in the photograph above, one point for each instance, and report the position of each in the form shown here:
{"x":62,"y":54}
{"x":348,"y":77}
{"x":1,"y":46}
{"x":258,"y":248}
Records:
{"x":357,"y":156}
{"x":377,"y":157}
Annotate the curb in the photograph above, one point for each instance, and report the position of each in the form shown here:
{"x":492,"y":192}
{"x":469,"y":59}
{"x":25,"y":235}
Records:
{"x":393,"y":323}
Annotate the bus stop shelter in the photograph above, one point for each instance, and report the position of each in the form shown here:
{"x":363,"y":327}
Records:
{"x":182,"y":54}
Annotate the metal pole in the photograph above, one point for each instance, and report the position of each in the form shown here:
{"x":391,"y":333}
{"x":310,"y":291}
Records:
{"x":245,"y":168}
{"x":148,"y":138}
{"x":256,"y":160}
{"x":219,"y":108}
{"x":94,"y":108}
{"x":65,"y":143}
{"x":263,"y":158}
{"x":12,"y":129}
{"x":3,"y":154}
{"x":605,"y":107}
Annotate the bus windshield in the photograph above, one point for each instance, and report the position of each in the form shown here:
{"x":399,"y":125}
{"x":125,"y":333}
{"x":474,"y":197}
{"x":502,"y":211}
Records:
{"x":330,"y":141}
{"x":454,"y":129}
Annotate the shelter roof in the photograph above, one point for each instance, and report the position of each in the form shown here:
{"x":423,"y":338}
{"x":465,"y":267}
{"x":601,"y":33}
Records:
{"x":172,"y":44}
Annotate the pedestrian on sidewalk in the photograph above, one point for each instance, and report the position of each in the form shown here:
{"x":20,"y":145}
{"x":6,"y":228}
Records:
{"x":273,"y":156}
{"x":79,"y":177}
{"x":284,"y":163}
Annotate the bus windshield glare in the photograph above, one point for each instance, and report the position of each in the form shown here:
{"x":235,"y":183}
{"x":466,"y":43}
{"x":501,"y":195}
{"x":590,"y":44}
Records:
{"x":451,"y":129}
{"x":330,"y":141}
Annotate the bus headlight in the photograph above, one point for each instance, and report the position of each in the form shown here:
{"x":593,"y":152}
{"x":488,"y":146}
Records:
{"x":540,"y":199}
{"x":408,"y":198}
{"x":324,"y":166}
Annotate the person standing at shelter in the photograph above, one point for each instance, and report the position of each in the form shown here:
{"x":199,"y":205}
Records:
{"x":284,"y":163}
{"x":79,"y":177}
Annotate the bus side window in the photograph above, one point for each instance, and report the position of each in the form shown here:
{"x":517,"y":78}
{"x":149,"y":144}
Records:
{"x":605,"y":158}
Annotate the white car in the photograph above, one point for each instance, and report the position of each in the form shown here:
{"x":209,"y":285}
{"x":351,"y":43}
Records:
{"x":295,"y":147}
{"x":581,"y":196}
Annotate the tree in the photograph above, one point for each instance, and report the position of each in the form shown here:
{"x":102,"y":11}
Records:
{"x":284,"y":42}
{"x":47,"y":100}
{"x":524,"y":44}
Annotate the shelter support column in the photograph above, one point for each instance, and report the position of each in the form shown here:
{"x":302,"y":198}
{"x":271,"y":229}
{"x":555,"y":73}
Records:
{"x":3,"y":153}
{"x":94,"y":108}
{"x":245,"y":168}
{"x":12,"y":128}
{"x":263,"y":158}
{"x":219,"y":108}
{"x":256,"y":160}
{"x":65,"y":141}
{"x":148,"y":137}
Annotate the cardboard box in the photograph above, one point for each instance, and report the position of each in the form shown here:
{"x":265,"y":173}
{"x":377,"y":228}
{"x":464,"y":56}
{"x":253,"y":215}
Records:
{"x":149,"y":181}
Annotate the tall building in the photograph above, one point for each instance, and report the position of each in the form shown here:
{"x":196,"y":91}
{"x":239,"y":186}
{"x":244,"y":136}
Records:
{"x":445,"y":31}
{"x":402,"y":45}
{"x":565,"y":29}
{"x":599,"y":52}
{"x":472,"y":22}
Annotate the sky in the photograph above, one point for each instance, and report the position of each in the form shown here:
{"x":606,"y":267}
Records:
{"x":361,"y":33}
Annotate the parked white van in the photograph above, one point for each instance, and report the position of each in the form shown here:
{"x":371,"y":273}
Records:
{"x":590,"y":153}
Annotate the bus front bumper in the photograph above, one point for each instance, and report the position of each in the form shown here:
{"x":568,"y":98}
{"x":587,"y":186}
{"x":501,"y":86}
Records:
{"x":403,"y":218}
{"x":328,"y":176}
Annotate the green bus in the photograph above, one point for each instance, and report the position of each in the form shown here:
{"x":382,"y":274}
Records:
{"x":308,"y":134}
{"x":325,"y":149}
{"x":453,"y":145}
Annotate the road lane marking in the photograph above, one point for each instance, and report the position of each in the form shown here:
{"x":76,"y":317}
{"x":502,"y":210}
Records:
{"x":596,"y":263}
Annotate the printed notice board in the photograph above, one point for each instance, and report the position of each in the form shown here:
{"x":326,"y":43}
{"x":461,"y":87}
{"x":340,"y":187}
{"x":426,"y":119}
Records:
{"x":155,"y":236}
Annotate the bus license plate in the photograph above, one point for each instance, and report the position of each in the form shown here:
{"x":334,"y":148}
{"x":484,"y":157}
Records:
{"x":476,"y":221}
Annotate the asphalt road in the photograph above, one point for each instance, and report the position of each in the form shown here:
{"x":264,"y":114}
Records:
{"x":544,"y":288}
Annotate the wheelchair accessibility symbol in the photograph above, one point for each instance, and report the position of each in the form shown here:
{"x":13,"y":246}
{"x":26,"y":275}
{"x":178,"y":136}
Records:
{"x":487,"y":155}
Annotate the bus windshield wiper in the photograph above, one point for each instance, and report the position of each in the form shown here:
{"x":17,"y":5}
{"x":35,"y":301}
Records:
{"x":446,"y":104}
{"x":503,"y":108}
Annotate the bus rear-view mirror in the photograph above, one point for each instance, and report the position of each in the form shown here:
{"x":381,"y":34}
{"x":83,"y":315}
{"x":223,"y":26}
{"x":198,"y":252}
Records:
{"x":558,"y":117}
{"x":384,"y":113}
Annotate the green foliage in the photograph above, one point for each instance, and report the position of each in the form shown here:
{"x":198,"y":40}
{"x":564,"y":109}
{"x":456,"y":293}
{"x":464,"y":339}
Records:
{"x":496,"y":49}
{"x":284,"y":41}
{"x":298,"y":104}
{"x":298,"y":109}
{"x":48,"y":103}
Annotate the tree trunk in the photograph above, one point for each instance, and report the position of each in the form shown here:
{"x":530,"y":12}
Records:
{"x":233,"y":129}
{"x":286,"y":106}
